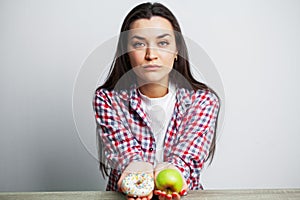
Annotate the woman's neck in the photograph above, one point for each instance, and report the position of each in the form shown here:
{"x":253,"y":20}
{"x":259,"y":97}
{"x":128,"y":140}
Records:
{"x":154,"y":90}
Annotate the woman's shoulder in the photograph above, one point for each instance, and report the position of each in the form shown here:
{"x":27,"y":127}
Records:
{"x":207,"y":95}
{"x":199,"y":96}
{"x":103,"y":93}
{"x":111,"y":94}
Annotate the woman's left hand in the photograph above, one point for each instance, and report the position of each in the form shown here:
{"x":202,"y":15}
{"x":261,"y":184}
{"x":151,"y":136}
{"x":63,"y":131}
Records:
{"x":162,"y":195}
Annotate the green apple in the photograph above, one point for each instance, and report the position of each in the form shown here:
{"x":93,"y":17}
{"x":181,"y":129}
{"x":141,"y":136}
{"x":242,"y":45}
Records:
{"x":169,"y":180}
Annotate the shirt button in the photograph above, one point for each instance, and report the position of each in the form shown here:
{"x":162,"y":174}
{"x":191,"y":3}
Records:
{"x":151,"y":149}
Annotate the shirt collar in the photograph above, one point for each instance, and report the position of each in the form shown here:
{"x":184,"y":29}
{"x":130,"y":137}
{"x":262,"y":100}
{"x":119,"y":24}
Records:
{"x":183,"y":99}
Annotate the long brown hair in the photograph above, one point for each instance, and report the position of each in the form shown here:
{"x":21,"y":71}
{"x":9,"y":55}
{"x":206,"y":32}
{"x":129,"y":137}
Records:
{"x":121,"y":64}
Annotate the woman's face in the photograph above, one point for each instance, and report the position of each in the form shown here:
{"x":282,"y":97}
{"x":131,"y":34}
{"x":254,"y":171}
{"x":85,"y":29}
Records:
{"x":152,"y":49}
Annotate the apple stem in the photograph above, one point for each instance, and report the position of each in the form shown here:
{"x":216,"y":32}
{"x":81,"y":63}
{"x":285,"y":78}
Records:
{"x":169,"y":191}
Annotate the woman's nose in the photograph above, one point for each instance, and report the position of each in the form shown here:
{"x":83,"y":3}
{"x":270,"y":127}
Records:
{"x":151,"y":53}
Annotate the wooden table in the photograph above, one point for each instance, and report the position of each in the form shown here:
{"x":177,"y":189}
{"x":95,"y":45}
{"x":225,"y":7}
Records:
{"x":272,"y":194}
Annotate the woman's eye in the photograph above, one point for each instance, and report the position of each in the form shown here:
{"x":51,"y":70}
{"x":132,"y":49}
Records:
{"x":138,"y":44}
{"x":163,"y":43}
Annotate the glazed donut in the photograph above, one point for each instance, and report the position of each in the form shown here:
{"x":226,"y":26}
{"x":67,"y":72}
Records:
{"x":137,"y":184}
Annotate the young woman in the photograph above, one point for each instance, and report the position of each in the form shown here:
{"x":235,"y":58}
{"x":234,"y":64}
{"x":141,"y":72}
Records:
{"x":151,"y":113}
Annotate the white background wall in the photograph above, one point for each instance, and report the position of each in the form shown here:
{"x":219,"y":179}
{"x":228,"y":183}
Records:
{"x":255,"y":46}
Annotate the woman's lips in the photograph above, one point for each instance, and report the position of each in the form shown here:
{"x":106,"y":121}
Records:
{"x":151,"y":67}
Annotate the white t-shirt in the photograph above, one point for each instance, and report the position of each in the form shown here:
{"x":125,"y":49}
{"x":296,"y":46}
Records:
{"x":159,"y":112}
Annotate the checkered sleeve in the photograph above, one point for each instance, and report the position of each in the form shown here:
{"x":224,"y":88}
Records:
{"x":119,"y":146}
{"x":195,"y":136}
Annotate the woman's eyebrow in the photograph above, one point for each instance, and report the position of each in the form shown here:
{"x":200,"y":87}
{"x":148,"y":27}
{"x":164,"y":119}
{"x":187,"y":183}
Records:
{"x":137,"y":37}
{"x":163,"y":35}
{"x":142,"y":38}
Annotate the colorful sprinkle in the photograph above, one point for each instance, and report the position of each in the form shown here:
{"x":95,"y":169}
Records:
{"x":137,"y":184}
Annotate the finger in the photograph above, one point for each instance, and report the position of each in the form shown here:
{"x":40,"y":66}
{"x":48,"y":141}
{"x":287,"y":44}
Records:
{"x":163,"y":193}
{"x":183,"y":192}
{"x":150,"y":196}
{"x":157,"y":192}
{"x":169,"y":197}
{"x":175,"y":196}
{"x":120,"y":181}
{"x":119,"y":186}
{"x":161,"y":197}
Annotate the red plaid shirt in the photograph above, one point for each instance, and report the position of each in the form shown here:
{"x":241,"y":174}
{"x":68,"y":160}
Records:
{"x":125,"y":132}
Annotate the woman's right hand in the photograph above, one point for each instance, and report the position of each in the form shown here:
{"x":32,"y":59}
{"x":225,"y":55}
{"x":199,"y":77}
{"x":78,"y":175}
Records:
{"x":136,"y":167}
{"x":124,"y":174}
